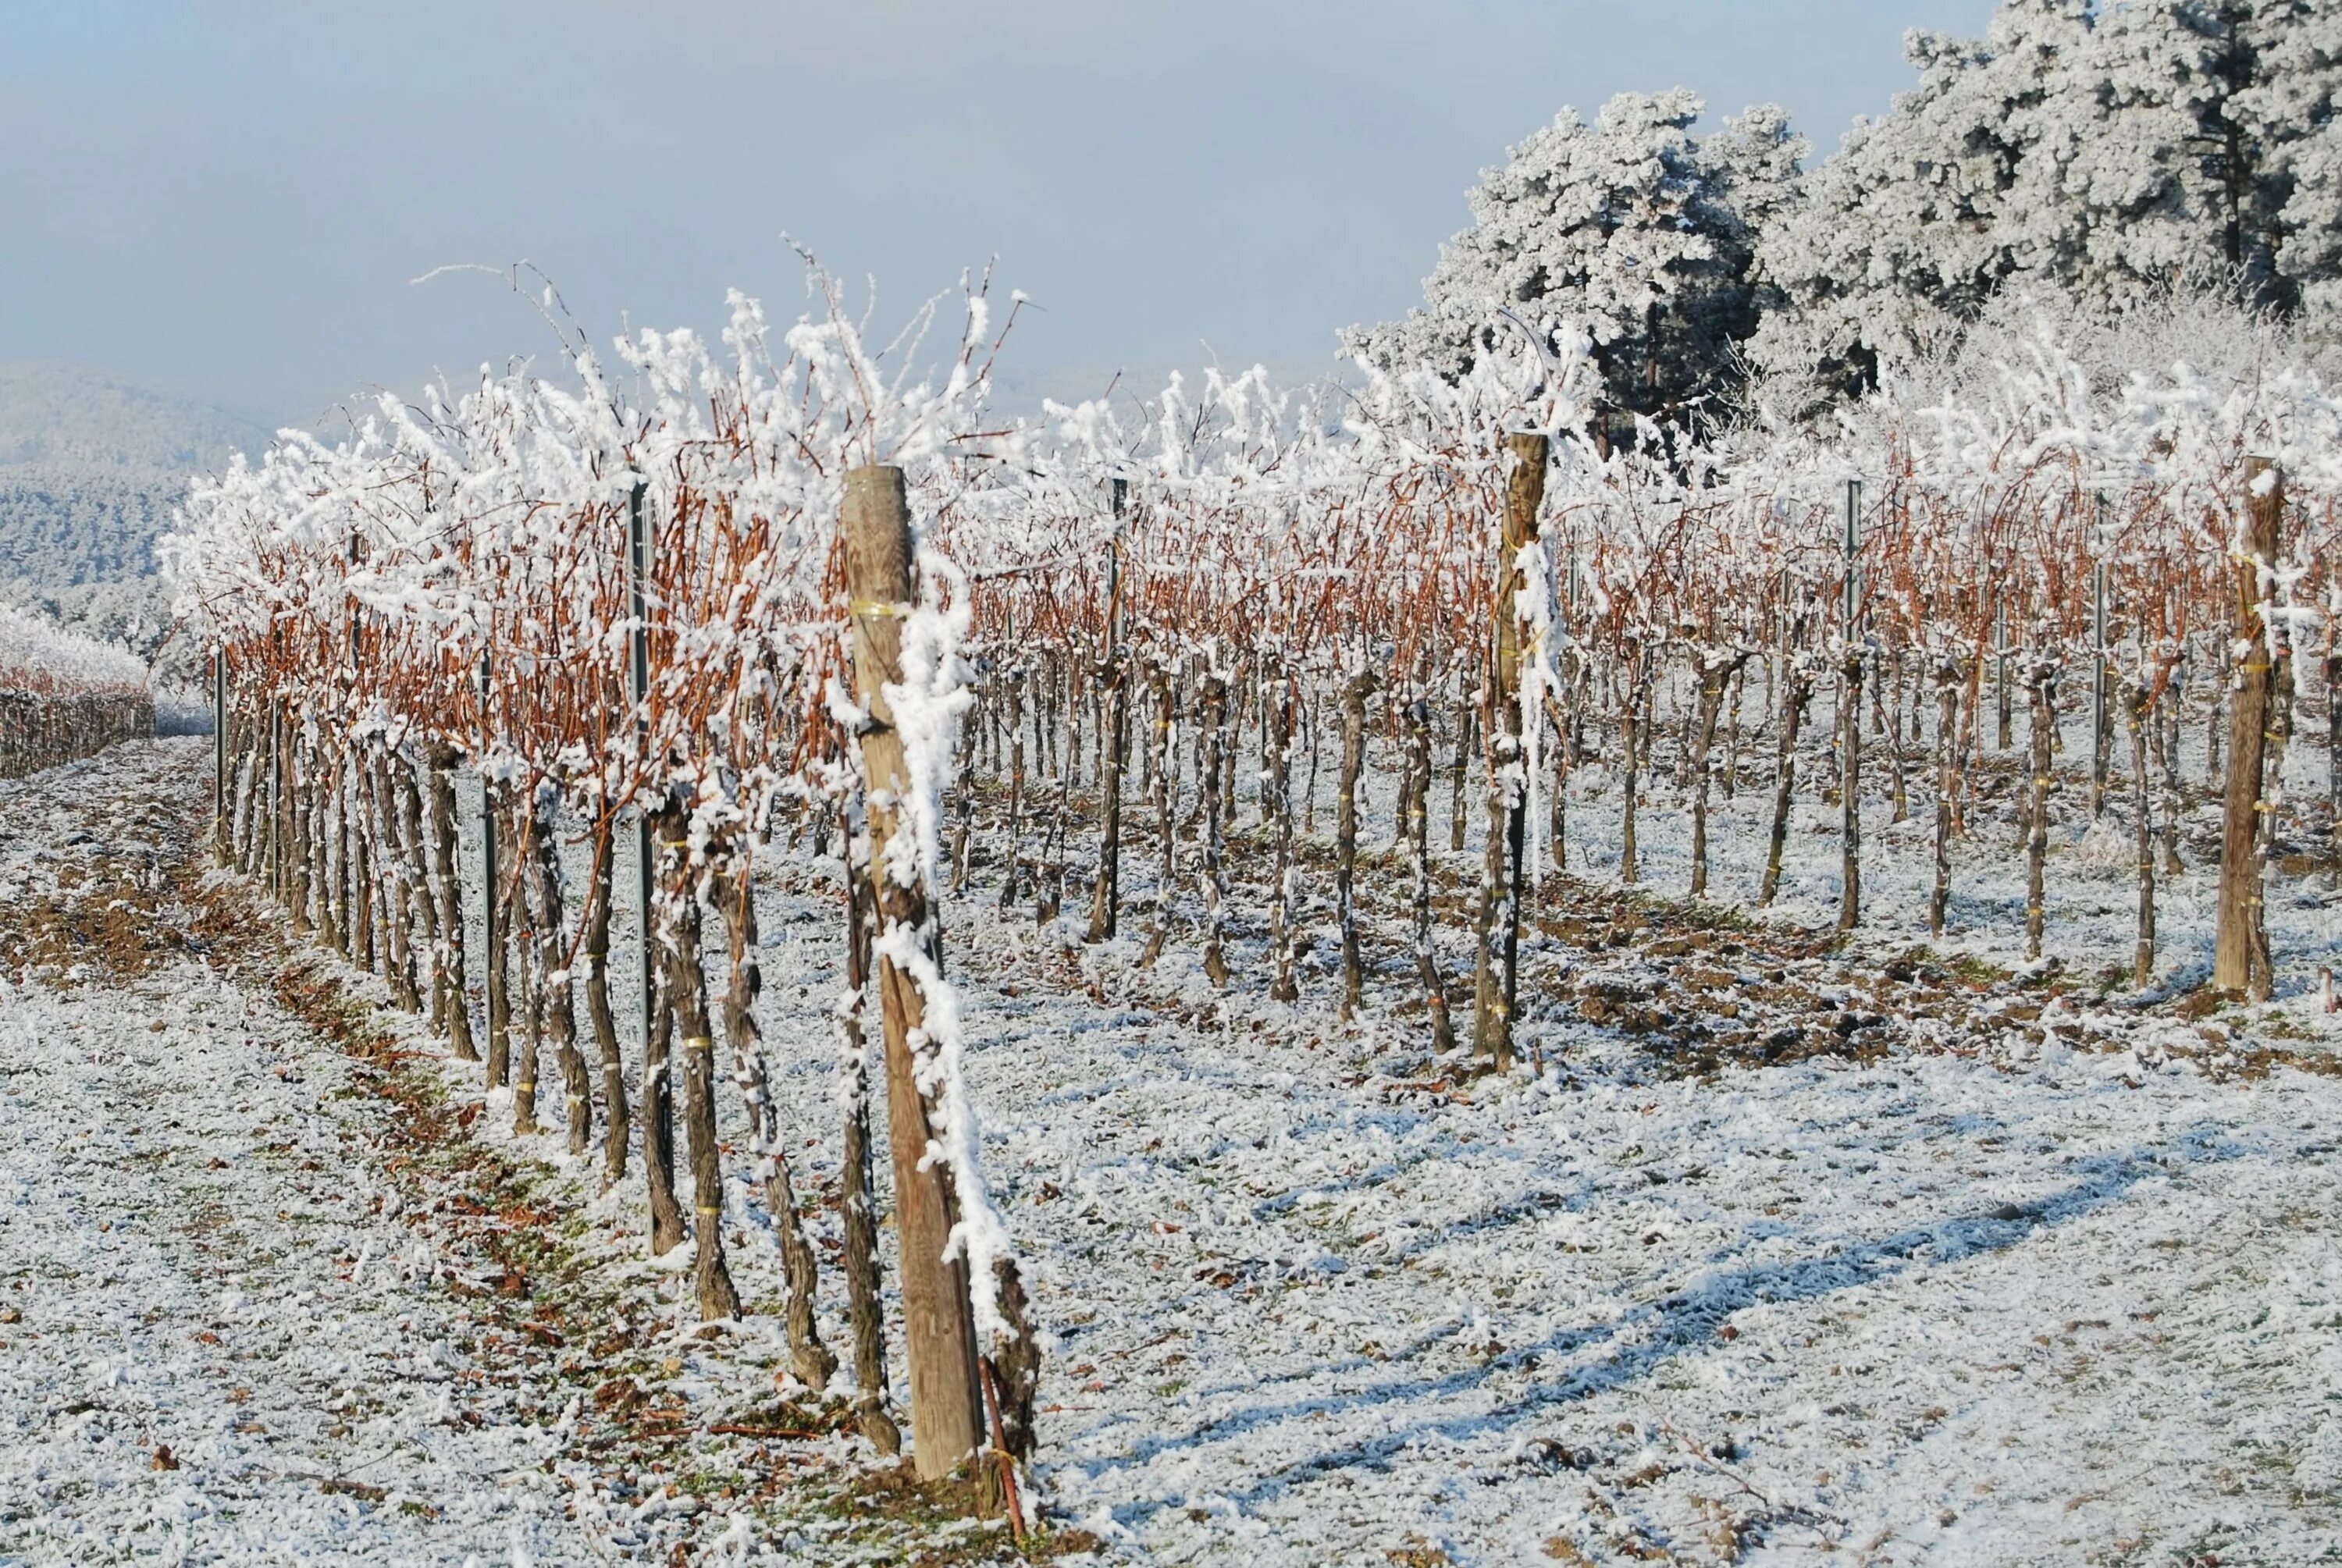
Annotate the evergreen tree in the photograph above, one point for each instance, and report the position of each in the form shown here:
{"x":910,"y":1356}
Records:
{"x":2106,"y":151}
{"x":1632,"y":230}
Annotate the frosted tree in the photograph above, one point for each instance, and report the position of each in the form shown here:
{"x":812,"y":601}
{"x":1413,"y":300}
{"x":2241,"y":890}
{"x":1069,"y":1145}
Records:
{"x":1632,"y":229}
{"x":2104,"y":151}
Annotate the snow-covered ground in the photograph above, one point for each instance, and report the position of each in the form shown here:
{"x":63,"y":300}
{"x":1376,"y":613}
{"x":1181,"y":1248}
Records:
{"x":1972,"y":1272}
{"x":218,"y":1348}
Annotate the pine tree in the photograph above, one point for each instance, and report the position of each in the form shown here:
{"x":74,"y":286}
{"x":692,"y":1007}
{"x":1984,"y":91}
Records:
{"x":2105,"y":151}
{"x":1632,"y":230}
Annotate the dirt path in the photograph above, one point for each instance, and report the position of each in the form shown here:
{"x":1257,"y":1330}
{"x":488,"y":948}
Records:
{"x":217,"y":1346}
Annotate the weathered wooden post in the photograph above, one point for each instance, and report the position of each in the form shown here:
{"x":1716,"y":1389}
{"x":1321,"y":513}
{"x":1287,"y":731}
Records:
{"x":1849,"y":702}
{"x":638,"y":691}
{"x":2142,"y":713}
{"x":1496,"y":988}
{"x":2003,"y":736}
{"x":938,"y":1321}
{"x":2041,"y":731}
{"x":2334,"y":727}
{"x":658,"y":1036}
{"x":1355,"y":692}
{"x":219,"y":754}
{"x":1106,"y":899}
{"x":276,"y":797}
{"x":2241,"y":895}
{"x":492,"y":934}
{"x":2101,"y":734}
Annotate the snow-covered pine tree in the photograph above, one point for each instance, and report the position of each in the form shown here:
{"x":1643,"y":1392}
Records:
{"x":1632,"y":229}
{"x":2103,"y":149}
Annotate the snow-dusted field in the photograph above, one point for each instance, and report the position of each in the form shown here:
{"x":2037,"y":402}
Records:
{"x":216,"y":1349}
{"x":2027,"y":1280}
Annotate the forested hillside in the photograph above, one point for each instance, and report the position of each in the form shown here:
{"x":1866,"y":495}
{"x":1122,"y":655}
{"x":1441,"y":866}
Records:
{"x":90,"y":467}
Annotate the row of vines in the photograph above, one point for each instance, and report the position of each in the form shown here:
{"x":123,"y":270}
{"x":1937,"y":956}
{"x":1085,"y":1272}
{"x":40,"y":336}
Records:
{"x":64,"y":696}
{"x":667,"y":608}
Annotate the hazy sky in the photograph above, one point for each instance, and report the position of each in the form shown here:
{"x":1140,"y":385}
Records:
{"x":231,"y":196}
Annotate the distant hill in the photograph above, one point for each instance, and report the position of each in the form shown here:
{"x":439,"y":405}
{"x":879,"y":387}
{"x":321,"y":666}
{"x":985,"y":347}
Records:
{"x":68,"y":416}
{"x":91,"y":466}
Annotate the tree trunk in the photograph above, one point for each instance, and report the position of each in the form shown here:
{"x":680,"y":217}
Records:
{"x":1276,"y":800}
{"x":2173,"y":792}
{"x":1214,"y":721}
{"x":1893,"y":678}
{"x":1114,"y":727}
{"x":499,"y":999}
{"x":1849,"y":810}
{"x":617,"y":1120}
{"x":552,"y":977}
{"x":526,"y":948}
{"x":2333,"y":753}
{"x":658,"y":1100}
{"x":1418,"y":845}
{"x":1049,"y":902}
{"x":2044,"y":685}
{"x":2143,"y":828}
{"x":1731,"y":778}
{"x":1354,"y":692}
{"x":1015,"y":829}
{"x":736,"y":896}
{"x":1467,"y":734}
{"x":686,"y":991}
{"x":446,"y":886}
{"x":1947,"y":714}
{"x":1796,"y":691}
{"x":857,"y":1200}
{"x":363,"y":868}
{"x":297,"y":785}
{"x":414,"y":876}
{"x":332,"y":885}
{"x":1166,"y":830}
{"x":1713,"y":675}
{"x":2272,"y":813}
{"x":1630,"y":738}
{"x":393,"y":863}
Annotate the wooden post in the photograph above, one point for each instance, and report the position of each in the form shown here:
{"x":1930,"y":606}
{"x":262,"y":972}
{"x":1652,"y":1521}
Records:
{"x":938,"y":1322}
{"x":2000,"y":648}
{"x":2042,"y":732}
{"x":271,"y":868}
{"x":1355,"y":692}
{"x":2240,"y":895}
{"x":1849,"y":702}
{"x":219,"y":754}
{"x":1948,"y":705}
{"x":638,"y":691}
{"x":1497,"y":973}
{"x":2100,"y":731}
{"x":1106,"y":899}
{"x":658,"y":1034}
{"x":492,"y":936}
{"x":2333,"y":733}
{"x":2143,"y":825}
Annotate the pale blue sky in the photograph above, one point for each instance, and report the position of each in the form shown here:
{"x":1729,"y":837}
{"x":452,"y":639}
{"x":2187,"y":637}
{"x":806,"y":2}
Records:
{"x":229,"y":196}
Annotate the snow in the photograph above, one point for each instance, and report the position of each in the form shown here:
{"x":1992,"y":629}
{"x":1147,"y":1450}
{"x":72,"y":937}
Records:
{"x":39,"y":655}
{"x":195,"y":1261}
{"x":1313,"y":1296}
